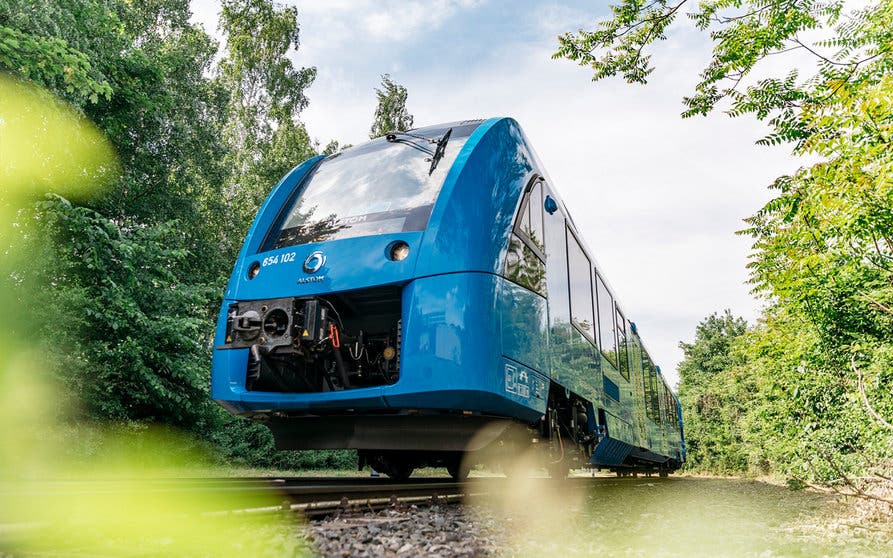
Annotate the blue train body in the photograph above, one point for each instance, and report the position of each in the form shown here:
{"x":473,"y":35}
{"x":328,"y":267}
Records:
{"x":422,"y":296}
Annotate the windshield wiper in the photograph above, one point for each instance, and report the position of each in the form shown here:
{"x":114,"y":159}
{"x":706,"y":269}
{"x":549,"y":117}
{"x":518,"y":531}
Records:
{"x":436,"y":154}
{"x":441,"y":149}
{"x":392,"y":137}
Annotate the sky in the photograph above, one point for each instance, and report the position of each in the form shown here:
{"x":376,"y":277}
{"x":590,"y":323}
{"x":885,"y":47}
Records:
{"x":657,"y":198}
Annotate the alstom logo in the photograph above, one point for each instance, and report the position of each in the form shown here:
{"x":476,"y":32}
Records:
{"x":314,"y":262}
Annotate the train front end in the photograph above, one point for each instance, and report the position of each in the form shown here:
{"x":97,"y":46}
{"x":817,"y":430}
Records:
{"x":361,"y":311}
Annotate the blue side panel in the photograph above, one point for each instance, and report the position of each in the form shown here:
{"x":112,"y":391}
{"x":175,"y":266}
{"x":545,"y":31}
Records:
{"x":610,"y":452}
{"x":524,"y":330}
{"x":265,"y":217}
{"x":448,"y":357}
{"x":472,"y":219}
{"x":352,"y":263}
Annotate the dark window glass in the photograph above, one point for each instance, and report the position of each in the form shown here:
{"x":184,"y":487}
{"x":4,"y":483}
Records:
{"x":635,"y":356}
{"x":529,"y":223}
{"x":535,"y":207}
{"x":375,"y":188}
{"x":671,"y":407}
{"x":580,"y":275}
{"x":622,"y":346}
{"x":652,"y":409}
{"x":524,"y":217}
{"x":607,"y":337}
{"x":611,"y":389}
{"x":524,"y":267}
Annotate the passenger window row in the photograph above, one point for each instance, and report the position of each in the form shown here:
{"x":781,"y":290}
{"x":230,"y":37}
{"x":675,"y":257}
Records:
{"x":578,"y":294}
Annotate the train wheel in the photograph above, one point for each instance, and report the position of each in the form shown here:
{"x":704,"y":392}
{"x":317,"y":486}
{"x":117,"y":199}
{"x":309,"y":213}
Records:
{"x":458,"y":470}
{"x":399,"y":471}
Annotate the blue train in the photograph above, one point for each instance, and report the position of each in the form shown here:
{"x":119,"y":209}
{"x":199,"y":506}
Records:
{"x":425,"y":297}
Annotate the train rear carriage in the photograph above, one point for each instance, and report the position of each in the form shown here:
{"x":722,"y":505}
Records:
{"x":426,"y":295}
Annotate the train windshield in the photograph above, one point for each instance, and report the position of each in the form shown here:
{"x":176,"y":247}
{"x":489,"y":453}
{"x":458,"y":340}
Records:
{"x":376,"y":188}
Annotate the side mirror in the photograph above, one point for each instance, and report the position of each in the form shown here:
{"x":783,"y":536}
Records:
{"x":550,"y":205}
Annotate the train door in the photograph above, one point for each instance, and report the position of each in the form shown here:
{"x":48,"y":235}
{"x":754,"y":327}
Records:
{"x":571,"y":338}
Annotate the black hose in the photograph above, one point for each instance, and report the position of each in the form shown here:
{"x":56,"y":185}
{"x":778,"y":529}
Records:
{"x":254,"y":362}
{"x":342,"y":371}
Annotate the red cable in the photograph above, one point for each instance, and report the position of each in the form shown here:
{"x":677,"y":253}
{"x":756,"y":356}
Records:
{"x":333,"y":333}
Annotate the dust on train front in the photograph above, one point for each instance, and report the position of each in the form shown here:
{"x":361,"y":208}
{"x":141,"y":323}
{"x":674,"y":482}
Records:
{"x":426,"y":299}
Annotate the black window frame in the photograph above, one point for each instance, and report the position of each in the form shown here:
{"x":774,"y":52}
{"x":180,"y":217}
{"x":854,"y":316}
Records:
{"x":524,"y":211}
{"x":598,"y":278}
{"x":518,"y":233}
{"x":620,"y":322}
{"x":590,"y":336}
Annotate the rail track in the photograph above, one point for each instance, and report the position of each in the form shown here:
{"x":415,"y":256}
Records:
{"x":315,"y":497}
{"x":311,"y":497}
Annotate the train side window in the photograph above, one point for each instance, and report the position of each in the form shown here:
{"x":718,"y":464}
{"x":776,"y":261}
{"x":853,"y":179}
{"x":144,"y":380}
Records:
{"x":535,"y":209}
{"x":655,"y":397}
{"x":556,"y":271}
{"x":525,"y":260}
{"x":635,"y":356}
{"x":670,"y":407}
{"x":622,"y":345}
{"x":529,"y":222}
{"x":607,"y":337}
{"x":648,"y":382}
{"x":578,"y":267}
{"x":524,"y":267}
{"x":524,"y":216}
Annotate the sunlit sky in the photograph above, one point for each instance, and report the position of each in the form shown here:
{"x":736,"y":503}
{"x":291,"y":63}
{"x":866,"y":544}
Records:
{"x":657,"y":198}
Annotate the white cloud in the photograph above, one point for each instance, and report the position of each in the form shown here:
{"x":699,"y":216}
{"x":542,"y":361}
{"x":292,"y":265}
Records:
{"x":389,"y":20}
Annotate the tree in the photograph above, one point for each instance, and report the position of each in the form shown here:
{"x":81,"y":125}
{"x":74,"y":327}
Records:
{"x":265,"y":94}
{"x":714,"y":396}
{"x":135,"y":271}
{"x":390,"y":114}
{"x":823,"y":248}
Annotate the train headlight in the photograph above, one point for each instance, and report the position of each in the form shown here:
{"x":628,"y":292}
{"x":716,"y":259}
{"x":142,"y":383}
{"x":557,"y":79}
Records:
{"x":398,"y":251}
{"x":253,"y":270}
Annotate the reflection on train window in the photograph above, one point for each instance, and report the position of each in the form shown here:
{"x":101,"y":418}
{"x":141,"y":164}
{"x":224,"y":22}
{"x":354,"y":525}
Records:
{"x":556,"y":271}
{"x":622,"y":345}
{"x":607,"y":338}
{"x":650,"y":380}
{"x":524,"y":262}
{"x":580,"y":287}
{"x":524,"y":267}
{"x":529,"y":225}
{"x":535,"y":208}
{"x":376,"y":188}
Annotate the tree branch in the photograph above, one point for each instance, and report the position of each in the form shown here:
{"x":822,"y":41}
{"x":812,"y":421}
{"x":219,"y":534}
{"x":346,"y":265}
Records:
{"x":865,"y":401}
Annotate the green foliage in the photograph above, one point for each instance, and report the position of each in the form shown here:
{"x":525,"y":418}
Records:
{"x":132,"y":344}
{"x":715,"y":391}
{"x":744,"y":33}
{"x":265,"y":96}
{"x":788,"y":395}
{"x":390,"y":114}
{"x":824,"y":254}
{"x":130,"y":278}
{"x":251,"y":444}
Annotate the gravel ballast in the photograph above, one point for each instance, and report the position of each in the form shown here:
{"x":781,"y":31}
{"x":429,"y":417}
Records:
{"x":445,"y":531}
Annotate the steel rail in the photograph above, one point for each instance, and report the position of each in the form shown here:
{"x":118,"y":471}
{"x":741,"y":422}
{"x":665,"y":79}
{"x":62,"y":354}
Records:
{"x":311,"y":496}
